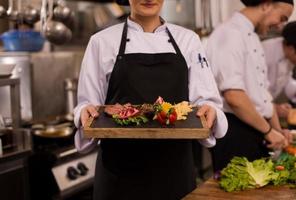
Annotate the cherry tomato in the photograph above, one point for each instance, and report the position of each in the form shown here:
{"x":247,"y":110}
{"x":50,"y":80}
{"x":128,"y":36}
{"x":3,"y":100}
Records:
{"x":160,"y":119}
{"x":163,"y":114}
{"x":173,"y":117}
{"x":280,"y":168}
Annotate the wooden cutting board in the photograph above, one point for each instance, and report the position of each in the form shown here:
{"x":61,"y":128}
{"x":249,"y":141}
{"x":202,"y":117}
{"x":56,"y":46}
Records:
{"x":104,"y":127}
{"x":210,"y":190}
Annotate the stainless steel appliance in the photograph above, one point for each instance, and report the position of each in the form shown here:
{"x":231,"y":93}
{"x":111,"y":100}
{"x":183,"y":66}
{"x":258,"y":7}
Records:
{"x":22,"y":71}
{"x":58,"y":171}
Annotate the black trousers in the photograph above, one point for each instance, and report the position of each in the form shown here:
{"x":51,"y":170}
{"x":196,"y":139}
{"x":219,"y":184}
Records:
{"x":240,"y":140}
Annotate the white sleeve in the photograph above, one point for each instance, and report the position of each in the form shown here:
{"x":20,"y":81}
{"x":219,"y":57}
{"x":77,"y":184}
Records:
{"x":225,"y":54}
{"x":91,"y":87}
{"x":203,"y":90}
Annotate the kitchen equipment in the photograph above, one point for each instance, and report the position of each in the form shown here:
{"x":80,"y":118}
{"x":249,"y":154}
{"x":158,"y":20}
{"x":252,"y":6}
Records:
{"x":12,"y":13}
{"x":54,"y":131}
{"x":6,"y":137}
{"x":57,"y":170}
{"x":22,"y":70}
{"x":70,"y":86}
{"x":55,"y":32}
{"x":27,"y":40}
{"x":14,"y":86}
{"x":61,"y":12}
{"x":31,"y":15}
{"x":2,"y":12}
{"x":6,"y":70}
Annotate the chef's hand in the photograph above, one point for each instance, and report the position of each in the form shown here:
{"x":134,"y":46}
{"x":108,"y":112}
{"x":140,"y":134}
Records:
{"x":86,"y":112}
{"x":210,"y":114}
{"x":276,"y":140}
{"x":288,"y":135}
{"x":283,"y":109}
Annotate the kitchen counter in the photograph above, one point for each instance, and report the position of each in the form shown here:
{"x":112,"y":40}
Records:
{"x":210,"y":190}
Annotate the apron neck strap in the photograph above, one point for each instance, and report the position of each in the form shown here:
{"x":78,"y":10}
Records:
{"x":124,"y":40}
{"x":172,"y":40}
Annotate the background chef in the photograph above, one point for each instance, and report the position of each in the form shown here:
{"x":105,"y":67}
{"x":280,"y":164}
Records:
{"x":237,"y":57}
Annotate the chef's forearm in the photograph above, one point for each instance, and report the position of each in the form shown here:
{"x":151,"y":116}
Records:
{"x":244,"y":109}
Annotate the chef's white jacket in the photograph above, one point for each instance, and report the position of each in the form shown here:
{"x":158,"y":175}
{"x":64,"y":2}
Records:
{"x":237,"y":58}
{"x":100,"y":57}
{"x":279,"y":67}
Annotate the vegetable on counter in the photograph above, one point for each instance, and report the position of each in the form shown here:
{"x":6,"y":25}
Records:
{"x":241,"y":174}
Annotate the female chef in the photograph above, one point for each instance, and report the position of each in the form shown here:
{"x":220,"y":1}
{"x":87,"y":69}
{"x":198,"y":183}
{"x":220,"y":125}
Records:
{"x":136,"y":62}
{"x":239,"y":66}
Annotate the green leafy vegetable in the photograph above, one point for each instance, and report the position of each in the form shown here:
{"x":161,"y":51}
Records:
{"x":241,"y":174}
{"x":136,"y":120}
{"x":261,"y":171}
{"x":289,"y":174}
{"x":234,"y":176}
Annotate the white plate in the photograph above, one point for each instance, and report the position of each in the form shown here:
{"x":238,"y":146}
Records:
{"x":6,"y":70}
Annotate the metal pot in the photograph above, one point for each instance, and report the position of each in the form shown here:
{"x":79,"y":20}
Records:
{"x":31,"y":15}
{"x":57,"y":32}
{"x":62,"y":13}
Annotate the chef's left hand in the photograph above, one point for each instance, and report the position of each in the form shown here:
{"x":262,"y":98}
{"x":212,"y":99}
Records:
{"x":288,"y":135}
{"x":210,"y":114}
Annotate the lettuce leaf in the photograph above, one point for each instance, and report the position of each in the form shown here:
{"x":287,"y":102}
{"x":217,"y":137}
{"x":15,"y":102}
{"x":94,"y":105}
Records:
{"x":240,"y":174}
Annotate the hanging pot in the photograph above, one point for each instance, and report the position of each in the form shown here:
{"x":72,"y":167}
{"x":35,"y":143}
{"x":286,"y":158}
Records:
{"x":31,"y":15}
{"x":56,"y":32}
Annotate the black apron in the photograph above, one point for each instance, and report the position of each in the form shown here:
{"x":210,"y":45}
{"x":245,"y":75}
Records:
{"x":240,"y":140}
{"x":146,"y":169}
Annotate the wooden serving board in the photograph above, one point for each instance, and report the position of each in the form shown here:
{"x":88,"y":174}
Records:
{"x":210,"y":190}
{"x":104,"y":127}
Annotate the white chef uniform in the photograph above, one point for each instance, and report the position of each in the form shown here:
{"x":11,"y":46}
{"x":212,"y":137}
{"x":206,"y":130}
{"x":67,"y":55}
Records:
{"x":238,"y":62}
{"x":100,"y":57}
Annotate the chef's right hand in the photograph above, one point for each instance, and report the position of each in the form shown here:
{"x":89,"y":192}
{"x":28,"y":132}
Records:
{"x":86,"y":112}
{"x":276,"y":140}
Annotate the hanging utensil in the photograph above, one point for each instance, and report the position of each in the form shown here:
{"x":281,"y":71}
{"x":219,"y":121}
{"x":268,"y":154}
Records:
{"x":61,"y":12}
{"x":3,"y":12}
{"x":31,"y":14}
{"x":12,"y":14}
{"x":56,"y":32}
